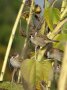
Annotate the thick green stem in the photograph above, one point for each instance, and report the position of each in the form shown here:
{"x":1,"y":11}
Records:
{"x":63,"y":74}
{"x":63,"y":13}
{"x":64,"y":3}
{"x":57,"y":29}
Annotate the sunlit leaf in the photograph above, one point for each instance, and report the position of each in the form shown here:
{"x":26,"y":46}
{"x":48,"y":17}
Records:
{"x":35,"y":71}
{"x":55,"y":15}
{"x":28,"y":70}
{"x":48,"y":18}
{"x":43,"y":70}
{"x":62,"y":38}
{"x":52,"y":16}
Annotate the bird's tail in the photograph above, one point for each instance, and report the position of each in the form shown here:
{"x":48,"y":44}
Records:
{"x":53,"y":40}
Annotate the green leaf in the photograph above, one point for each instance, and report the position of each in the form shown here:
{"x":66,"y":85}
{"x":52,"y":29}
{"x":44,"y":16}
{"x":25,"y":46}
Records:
{"x":55,"y":15}
{"x":10,"y":86}
{"x":52,"y":16}
{"x":35,"y":71}
{"x":28,"y":70}
{"x":64,"y":37}
{"x":48,"y":18}
{"x":43,"y":70}
{"x":64,"y":28}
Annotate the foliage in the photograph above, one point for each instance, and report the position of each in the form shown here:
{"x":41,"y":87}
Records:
{"x":38,"y":66}
{"x":52,"y":16}
{"x":11,"y":86}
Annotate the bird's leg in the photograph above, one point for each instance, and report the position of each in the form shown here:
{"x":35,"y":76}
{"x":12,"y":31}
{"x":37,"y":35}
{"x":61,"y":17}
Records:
{"x":14,"y":71}
{"x":35,"y":52}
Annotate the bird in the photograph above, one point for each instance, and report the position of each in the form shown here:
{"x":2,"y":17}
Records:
{"x":54,"y":53}
{"x":41,"y":40}
{"x":15,"y":63}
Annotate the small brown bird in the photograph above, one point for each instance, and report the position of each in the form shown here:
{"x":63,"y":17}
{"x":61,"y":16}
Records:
{"x":54,"y":53}
{"x":16,"y":63}
{"x":41,"y":40}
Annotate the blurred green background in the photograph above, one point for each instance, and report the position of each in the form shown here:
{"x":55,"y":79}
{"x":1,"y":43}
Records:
{"x":8,"y":13}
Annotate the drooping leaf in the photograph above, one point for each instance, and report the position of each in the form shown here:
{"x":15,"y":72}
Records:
{"x":28,"y":70}
{"x":55,"y":15}
{"x":52,"y":16}
{"x":43,"y":70}
{"x":35,"y":71}
{"x":48,"y":18}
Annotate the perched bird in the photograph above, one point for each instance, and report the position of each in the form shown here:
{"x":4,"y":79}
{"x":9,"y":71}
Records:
{"x":15,"y":63}
{"x":40,"y":40}
{"x":56,"y":56}
{"x":54,"y":53}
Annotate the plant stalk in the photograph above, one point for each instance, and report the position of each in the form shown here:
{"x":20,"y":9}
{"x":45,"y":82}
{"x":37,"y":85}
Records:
{"x":63,"y":74}
{"x":11,"y":40}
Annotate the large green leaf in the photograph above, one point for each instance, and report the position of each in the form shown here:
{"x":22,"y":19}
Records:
{"x":52,"y":16}
{"x":28,"y":70}
{"x":48,"y":18}
{"x":43,"y":70}
{"x":55,"y":15}
{"x":34,"y":71}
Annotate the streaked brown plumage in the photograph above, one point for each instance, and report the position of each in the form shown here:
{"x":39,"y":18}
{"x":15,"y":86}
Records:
{"x":54,"y":53}
{"x":41,"y":40}
{"x":15,"y":63}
